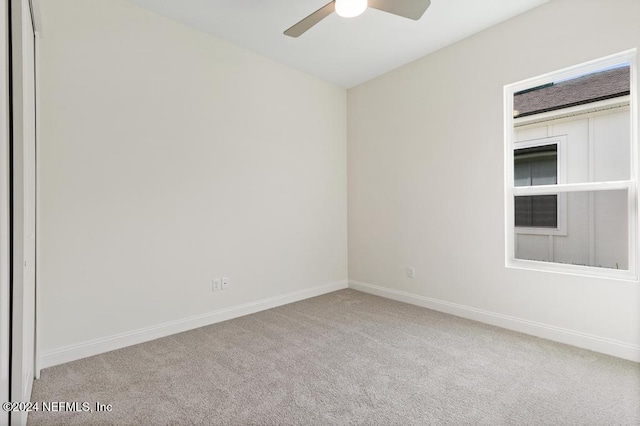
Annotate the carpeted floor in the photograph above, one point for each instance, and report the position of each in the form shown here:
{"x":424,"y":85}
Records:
{"x":346,"y":358}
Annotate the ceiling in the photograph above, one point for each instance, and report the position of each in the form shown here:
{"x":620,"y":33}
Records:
{"x":343,"y":51}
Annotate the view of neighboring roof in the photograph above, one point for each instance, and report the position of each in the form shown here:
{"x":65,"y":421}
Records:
{"x":593,"y":87}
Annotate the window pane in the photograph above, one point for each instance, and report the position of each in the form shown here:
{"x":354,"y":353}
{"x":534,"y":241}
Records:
{"x":544,"y":172}
{"x":596,"y":232}
{"x":523,"y":211}
{"x":545,"y":211}
{"x":536,"y":165}
{"x":537,"y":211}
{"x":522,"y":173}
{"x":598,"y":135}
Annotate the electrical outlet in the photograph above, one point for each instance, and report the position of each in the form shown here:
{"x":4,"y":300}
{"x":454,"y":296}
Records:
{"x":226,"y":282}
{"x":216,"y":284}
{"x":411,"y":272}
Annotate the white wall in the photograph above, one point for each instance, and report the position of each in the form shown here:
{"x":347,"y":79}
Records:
{"x":169,"y":158}
{"x":426,"y":180}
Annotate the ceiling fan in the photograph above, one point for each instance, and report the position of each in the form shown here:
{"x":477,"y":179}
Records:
{"x":412,"y":9}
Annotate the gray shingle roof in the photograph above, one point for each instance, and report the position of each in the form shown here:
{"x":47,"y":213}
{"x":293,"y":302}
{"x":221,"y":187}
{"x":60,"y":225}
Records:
{"x":589,"y":88}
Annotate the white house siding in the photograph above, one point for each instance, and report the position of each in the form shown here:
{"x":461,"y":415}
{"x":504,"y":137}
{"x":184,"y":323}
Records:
{"x":597,"y":149}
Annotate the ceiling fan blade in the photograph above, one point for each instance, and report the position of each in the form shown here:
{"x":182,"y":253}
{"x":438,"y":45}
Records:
{"x":412,"y":9}
{"x":308,"y":22}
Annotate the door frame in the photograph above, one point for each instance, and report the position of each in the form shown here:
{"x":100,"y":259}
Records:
{"x":5,"y":212}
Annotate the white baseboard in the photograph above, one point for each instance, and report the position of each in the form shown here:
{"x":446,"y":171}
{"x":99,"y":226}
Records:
{"x":575,"y":338}
{"x":106,"y":344}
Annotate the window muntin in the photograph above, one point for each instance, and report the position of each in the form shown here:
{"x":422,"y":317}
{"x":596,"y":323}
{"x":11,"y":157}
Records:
{"x":602,"y":199}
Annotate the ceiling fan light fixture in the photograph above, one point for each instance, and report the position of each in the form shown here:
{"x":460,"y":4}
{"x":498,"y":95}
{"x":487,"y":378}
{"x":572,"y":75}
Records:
{"x":411,"y":9}
{"x":350,"y":8}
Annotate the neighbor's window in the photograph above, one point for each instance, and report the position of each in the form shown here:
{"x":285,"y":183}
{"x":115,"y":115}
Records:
{"x":570,"y":170}
{"x":539,"y":162}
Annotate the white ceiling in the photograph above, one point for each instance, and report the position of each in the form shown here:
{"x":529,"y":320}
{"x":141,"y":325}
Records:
{"x":343,"y":51}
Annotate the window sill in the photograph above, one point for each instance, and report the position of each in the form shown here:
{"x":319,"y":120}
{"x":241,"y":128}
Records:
{"x":576,"y":270}
{"x":541,"y":231}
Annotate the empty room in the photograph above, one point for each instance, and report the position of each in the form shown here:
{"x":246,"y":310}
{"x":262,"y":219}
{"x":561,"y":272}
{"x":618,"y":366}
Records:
{"x":314,"y":212}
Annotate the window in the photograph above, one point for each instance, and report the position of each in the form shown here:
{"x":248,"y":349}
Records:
{"x":571,"y":201}
{"x":539,"y":162}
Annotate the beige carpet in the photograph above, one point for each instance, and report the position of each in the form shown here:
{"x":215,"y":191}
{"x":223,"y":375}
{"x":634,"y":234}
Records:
{"x":347,"y":358}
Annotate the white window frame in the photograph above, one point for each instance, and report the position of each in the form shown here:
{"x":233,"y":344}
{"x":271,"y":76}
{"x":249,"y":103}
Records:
{"x":561,"y":173}
{"x":511,"y":191}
